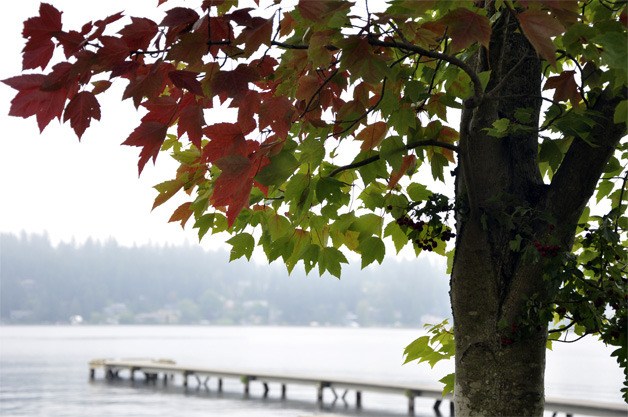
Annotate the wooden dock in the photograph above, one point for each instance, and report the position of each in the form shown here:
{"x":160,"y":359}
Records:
{"x":165,"y":370}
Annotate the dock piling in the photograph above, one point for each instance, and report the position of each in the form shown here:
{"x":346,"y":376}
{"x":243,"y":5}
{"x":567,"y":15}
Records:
{"x":152,"y":369}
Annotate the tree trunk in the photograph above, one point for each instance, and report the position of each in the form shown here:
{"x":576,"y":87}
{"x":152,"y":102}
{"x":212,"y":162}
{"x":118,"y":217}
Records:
{"x":500,"y":362}
{"x":500,"y":298}
{"x":499,"y":370}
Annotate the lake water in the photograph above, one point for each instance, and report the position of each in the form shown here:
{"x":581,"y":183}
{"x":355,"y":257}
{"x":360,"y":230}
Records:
{"x":43,"y":370}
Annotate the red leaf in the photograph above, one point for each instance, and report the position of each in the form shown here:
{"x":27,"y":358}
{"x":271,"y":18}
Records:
{"x":466,"y":27}
{"x":37,"y":53}
{"x":139,"y":33}
{"x":101,"y":25}
{"x":182,"y":214}
{"x":44,"y":26}
{"x":160,"y":109}
{"x":81,"y":110}
{"x":191,"y":120}
{"x":233,"y":186}
{"x":372,"y":135}
{"x":407,"y":163}
{"x":226,"y":139}
{"x":566,"y":87}
{"x":179,"y":16}
{"x":248,"y":108}
{"x":278,"y":113}
{"x":25,"y":82}
{"x":187,"y":80}
{"x":71,"y":41}
{"x":257,"y":33}
{"x":100,"y":86}
{"x":58,"y":77}
{"x":113,"y":52}
{"x":190,"y":48}
{"x":150,"y":136}
{"x":234,"y":84}
{"x":539,"y":27}
{"x":32,"y":101}
{"x":150,"y":81}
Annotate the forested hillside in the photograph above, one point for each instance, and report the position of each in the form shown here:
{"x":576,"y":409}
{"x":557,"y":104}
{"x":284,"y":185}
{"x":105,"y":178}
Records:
{"x":109,"y":283}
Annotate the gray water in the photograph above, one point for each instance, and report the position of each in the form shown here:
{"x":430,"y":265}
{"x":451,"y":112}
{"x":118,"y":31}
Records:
{"x":43,"y":370}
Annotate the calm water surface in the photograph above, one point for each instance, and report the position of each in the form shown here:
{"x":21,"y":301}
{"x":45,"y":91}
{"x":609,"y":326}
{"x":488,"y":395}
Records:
{"x":43,"y":370}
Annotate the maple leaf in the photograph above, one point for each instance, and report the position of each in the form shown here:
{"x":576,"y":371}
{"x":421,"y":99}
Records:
{"x":150,"y":136}
{"x":138,"y":34}
{"x":149,"y":82}
{"x":256,"y":33}
{"x":71,"y":41}
{"x":179,"y":16}
{"x":565,"y":87}
{"x":190,"y":48}
{"x":372,"y":135}
{"x":307,"y":86}
{"x":539,"y":27}
{"x":361,"y":61}
{"x":233,"y":186}
{"x":160,"y":109}
{"x":187,"y":80}
{"x":32,"y":101}
{"x":182,"y":214}
{"x":226,"y":139}
{"x":407,"y":163}
{"x":45,"y":25}
{"x":113,"y":52}
{"x":102,"y":24}
{"x":278,"y":113}
{"x":81,"y":110}
{"x":234,"y":84}
{"x":37,"y":53}
{"x":100,"y":86}
{"x":58,"y":77}
{"x":466,"y":27}
{"x":191,"y":119}
{"x":319,"y":10}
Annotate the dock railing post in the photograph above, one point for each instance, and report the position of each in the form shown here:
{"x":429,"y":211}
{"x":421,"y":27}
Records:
{"x":358,"y":399}
{"x":283,"y":391}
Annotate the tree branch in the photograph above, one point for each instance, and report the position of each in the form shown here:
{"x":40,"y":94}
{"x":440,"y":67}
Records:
{"x":576,"y":178}
{"x":408,"y":147}
{"x":477,"y":84}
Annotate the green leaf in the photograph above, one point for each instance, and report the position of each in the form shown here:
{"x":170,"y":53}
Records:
{"x":329,"y":189}
{"x":417,"y":349}
{"x":372,"y":249}
{"x":281,"y":167}
{"x":621,"y":112}
{"x":243,"y":244}
{"x":329,"y":259}
{"x":604,"y":188}
{"x":418,"y":192}
{"x":450,"y":381}
{"x":392,"y":150}
{"x":438,"y":162}
{"x":499,"y":129}
{"x":398,"y":236}
{"x":369,"y":224}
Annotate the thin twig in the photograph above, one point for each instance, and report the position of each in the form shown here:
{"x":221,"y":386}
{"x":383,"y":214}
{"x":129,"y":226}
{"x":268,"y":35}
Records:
{"x":408,"y":147}
{"x":363,"y":115}
{"x":477,"y":84}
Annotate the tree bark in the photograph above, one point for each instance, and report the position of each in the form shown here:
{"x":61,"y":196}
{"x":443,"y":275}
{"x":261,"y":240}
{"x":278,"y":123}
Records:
{"x":499,"y":367}
{"x":500,"y":339}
